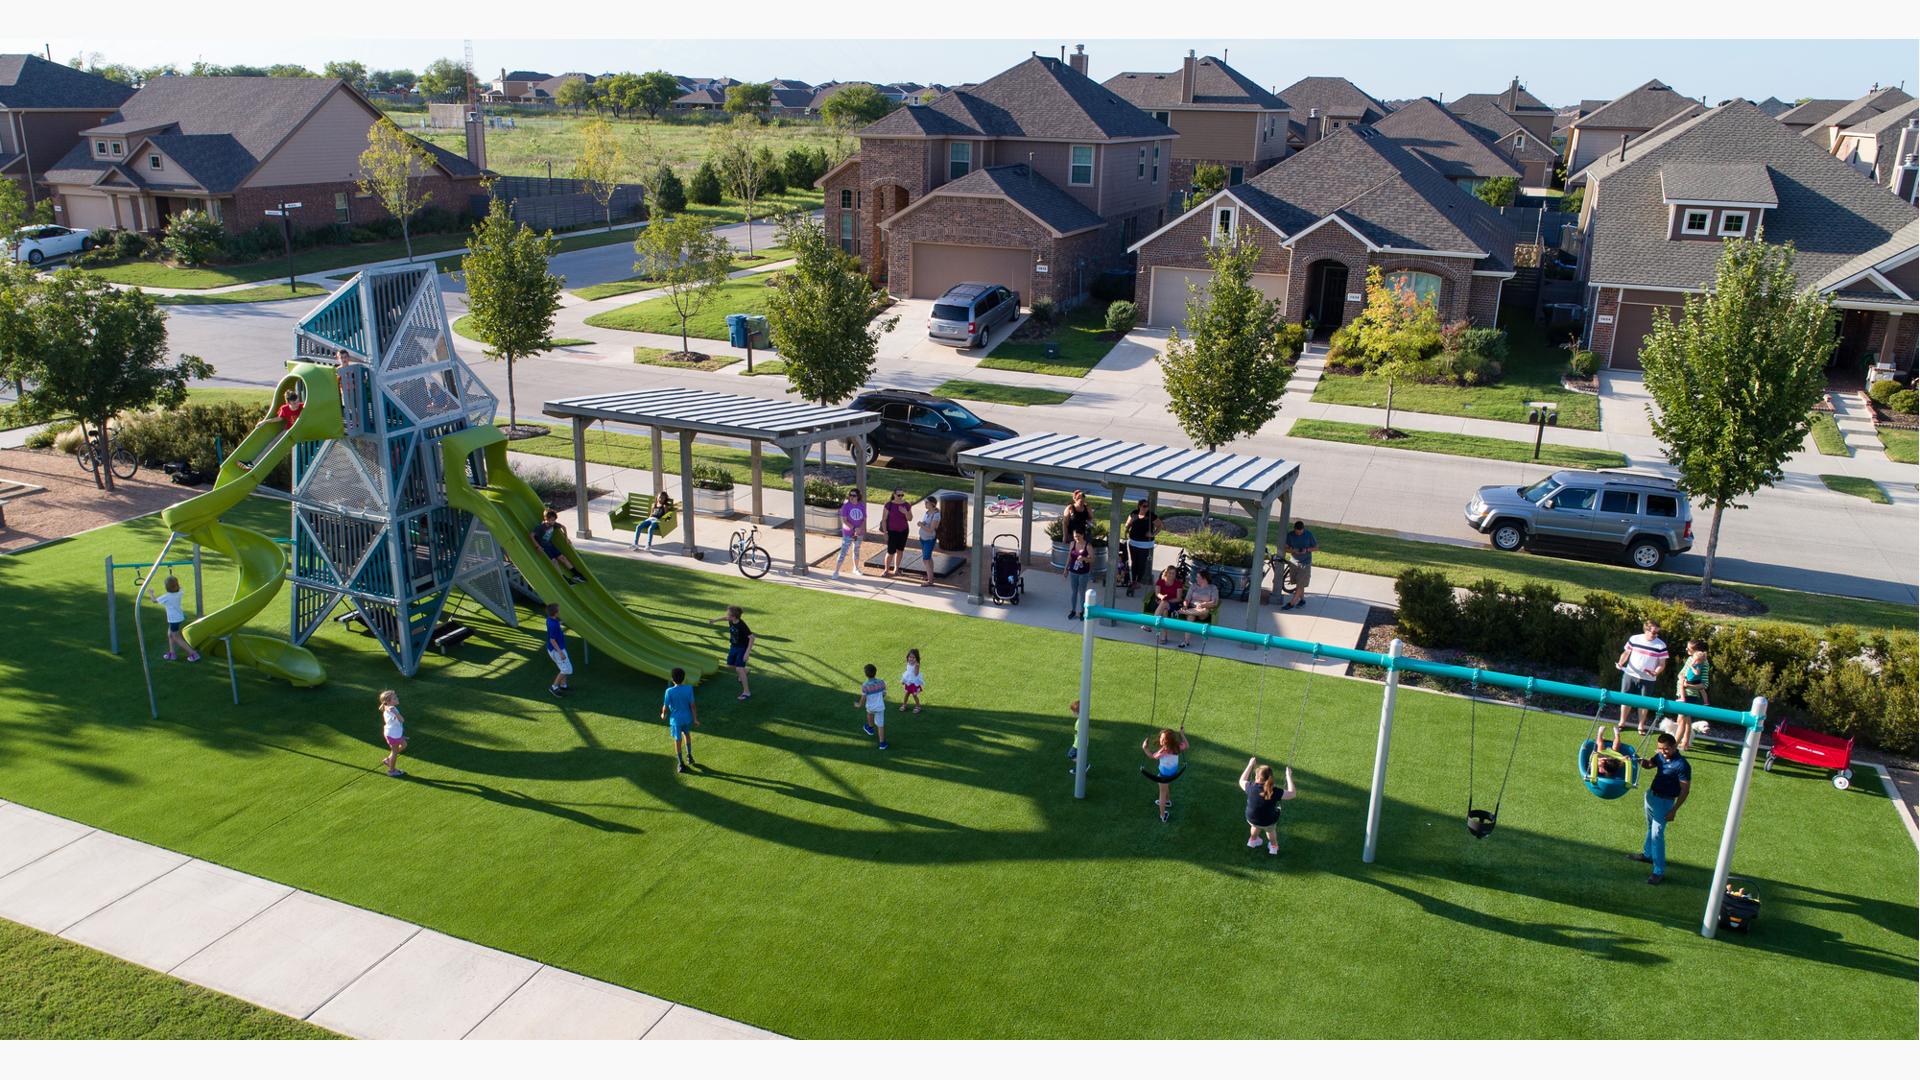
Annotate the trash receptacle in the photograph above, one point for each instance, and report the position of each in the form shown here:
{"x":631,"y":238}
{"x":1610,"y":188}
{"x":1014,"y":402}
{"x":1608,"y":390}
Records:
{"x":759,"y":335}
{"x":737,"y":332}
{"x":954,"y":522}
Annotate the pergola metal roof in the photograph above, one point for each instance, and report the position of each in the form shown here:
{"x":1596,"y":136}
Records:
{"x":1112,"y":463}
{"x":784,"y":422}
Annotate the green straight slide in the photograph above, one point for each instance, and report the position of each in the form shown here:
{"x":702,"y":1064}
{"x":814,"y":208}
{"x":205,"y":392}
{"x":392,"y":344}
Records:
{"x":261,"y":562}
{"x":510,"y":509}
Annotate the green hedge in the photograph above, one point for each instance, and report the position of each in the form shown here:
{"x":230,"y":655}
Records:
{"x":194,"y":433}
{"x":1838,"y":679}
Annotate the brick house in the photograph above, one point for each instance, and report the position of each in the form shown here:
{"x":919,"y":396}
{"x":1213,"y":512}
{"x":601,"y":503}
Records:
{"x":1222,"y":116}
{"x":43,"y":108}
{"x":1353,"y":200}
{"x":1653,"y":225}
{"x":1533,"y":154}
{"x":235,"y":148}
{"x":515,"y":85}
{"x":1037,"y":178}
{"x":1629,"y":116}
{"x":1519,"y":108}
{"x":1323,"y":104}
{"x":1456,"y":149}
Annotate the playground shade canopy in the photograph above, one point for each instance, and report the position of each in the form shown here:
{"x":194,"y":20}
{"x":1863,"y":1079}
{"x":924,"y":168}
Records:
{"x":1117,"y":465}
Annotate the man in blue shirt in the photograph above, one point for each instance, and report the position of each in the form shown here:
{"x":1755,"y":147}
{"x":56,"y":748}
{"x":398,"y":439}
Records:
{"x":677,"y":708}
{"x":1672,"y":777}
{"x":1301,"y":545}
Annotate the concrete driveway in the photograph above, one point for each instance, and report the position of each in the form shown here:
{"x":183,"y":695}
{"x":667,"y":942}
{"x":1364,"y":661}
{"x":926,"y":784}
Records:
{"x":908,"y":348}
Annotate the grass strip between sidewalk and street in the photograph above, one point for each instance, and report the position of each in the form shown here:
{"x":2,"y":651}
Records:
{"x":1858,"y":486}
{"x":1457,"y":445}
{"x":1000,"y":393}
{"x":741,"y":261}
{"x":259,"y":294}
{"x":647,"y":354}
{"x":657,"y":316}
{"x":1827,"y":437}
{"x":465,"y":328}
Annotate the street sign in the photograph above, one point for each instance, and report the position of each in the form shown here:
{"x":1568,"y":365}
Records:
{"x":274,"y":213}
{"x":291,"y":205}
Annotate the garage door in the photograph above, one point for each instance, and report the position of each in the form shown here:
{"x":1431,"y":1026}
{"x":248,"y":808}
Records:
{"x":939,"y":267}
{"x":1631,"y":327}
{"x":89,"y":212}
{"x":1167,"y":303}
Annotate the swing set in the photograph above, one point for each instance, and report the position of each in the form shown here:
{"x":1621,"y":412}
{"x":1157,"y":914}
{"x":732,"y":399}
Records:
{"x":1602,"y":780}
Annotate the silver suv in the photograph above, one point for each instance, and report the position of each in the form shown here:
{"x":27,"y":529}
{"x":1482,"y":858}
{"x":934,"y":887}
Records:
{"x":968,"y":312}
{"x":1622,"y":512}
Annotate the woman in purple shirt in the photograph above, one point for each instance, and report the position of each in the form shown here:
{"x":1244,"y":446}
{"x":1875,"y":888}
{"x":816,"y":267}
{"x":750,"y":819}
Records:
{"x":853,"y":528}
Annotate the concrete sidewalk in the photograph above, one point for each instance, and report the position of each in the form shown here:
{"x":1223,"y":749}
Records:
{"x":343,"y":968}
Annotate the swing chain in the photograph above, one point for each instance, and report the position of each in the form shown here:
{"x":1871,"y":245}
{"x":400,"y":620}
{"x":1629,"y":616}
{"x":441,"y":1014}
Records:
{"x":1306,"y":695}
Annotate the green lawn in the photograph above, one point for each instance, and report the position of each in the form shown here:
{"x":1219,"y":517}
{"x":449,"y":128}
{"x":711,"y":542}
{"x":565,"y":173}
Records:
{"x":643,"y":354}
{"x":636,"y":284}
{"x":55,"y":989}
{"x":951,"y":886}
{"x":1532,"y":373}
{"x":974,"y":390}
{"x":465,"y":328}
{"x":1083,"y":340}
{"x":1827,"y":438}
{"x":1900,"y":444}
{"x":1858,"y":486}
{"x":1477,"y":446}
{"x":258,"y":295}
{"x":657,"y":316}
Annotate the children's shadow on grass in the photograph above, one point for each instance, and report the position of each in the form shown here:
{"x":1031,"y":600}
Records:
{"x":521,"y":801}
{"x":821,"y":798}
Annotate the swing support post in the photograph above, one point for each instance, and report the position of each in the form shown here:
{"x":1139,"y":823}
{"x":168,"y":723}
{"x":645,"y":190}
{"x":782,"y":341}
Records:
{"x":1379,"y":788}
{"x":1083,"y":724}
{"x":1736,"y":806}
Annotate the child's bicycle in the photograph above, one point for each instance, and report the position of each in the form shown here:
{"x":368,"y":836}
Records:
{"x":745,"y":553}
{"x":1002,"y":506}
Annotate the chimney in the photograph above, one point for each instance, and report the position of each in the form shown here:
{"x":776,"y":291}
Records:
{"x":1313,"y":125}
{"x":476,"y":137}
{"x":1186,"y":77}
{"x":1513,"y":94}
{"x":1079,"y":59}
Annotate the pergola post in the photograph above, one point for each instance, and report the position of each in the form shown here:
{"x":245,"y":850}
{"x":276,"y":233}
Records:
{"x":1026,"y":517}
{"x":798,"y":456}
{"x":1286,"y":527}
{"x":1261,"y":519}
{"x":1736,"y":807}
{"x":975,"y":556}
{"x":686,"y":493}
{"x":660,"y":465}
{"x":581,"y":528}
{"x":1116,"y":544}
{"x":860,"y":466}
{"x":759,"y":515}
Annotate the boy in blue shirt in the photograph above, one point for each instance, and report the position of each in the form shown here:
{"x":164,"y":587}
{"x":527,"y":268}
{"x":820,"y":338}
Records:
{"x":557,"y":652}
{"x":677,"y":708}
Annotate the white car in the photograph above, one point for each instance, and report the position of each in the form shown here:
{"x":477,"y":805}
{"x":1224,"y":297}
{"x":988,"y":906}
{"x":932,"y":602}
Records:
{"x":38,"y":243}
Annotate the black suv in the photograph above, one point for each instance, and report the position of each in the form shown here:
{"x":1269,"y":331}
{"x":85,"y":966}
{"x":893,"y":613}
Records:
{"x":923,"y":427}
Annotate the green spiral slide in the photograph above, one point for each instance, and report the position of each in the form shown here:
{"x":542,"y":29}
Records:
{"x":261,"y":562}
{"x":510,"y":509}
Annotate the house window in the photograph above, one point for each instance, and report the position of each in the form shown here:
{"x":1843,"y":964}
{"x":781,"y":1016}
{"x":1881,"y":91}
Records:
{"x":1235,"y":175}
{"x":100,"y":148}
{"x":1223,"y":230}
{"x":959,"y":160}
{"x":846,"y":234}
{"x":153,"y":161}
{"x":1695,"y":222}
{"x":214,"y":211}
{"x":1080,"y":166}
{"x":1141,"y":170}
{"x":846,"y":198}
{"x":340,"y":212}
{"x":1162,"y":117}
{"x":1424,"y":287}
{"x":116,"y":149}
{"x":1519,"y":142}
{"x":1156,"y":163}
{"x":1733,"y":223}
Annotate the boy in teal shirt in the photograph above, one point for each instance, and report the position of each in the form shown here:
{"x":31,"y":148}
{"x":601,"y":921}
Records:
{"x":682,"y":715}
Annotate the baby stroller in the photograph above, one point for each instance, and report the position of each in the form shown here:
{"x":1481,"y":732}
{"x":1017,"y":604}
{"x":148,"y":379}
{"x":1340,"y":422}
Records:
{"x":1006,"y":581}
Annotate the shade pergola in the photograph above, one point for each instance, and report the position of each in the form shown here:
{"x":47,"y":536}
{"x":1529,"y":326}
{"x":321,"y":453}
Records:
{"x":793,"y":426}
{"x":1255,"y":482}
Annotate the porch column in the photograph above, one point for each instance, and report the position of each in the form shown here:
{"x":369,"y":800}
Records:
{"x":1261,"y":520}
{"x":976,"y":555}
{"x":686,"y":493}
{"x":581,"y":529}
{"x":1026,"y":517}
{"x":798,"y":456}
{"x":759,"y":514}
{"x":659,"y":465}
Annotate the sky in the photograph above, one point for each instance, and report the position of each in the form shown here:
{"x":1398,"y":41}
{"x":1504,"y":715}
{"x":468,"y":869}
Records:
{"x":1558,"y":72}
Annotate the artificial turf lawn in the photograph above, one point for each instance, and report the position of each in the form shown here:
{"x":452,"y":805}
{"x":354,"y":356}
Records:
{"x":657,"y":316}
{"x":1531,"y":372}
{"x":1457,"y":445}
{"x":801,"y":876}
{"x":55,"y":989}
{"x":1857,"y":486}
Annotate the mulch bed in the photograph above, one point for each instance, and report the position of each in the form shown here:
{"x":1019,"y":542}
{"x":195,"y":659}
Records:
{"x":1382,"y":626}
{"x":1581,"y":386}
{"x":1717,"y":601}
{"x":515,"y":432}
{"x":1386,"y":434}
{"x":72,"y":503}
{"x":1884,"y":417}
{"x":686,"y":357}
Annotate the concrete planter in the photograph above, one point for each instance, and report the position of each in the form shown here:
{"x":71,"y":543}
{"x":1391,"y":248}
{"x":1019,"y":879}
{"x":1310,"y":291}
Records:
{"x":823,"y":519}
{"x":1058,"y":559}
{"x":713,"y":503}
{"x":1232,"y":581}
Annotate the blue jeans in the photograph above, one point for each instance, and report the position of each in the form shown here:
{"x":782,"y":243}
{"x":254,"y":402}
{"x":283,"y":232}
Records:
{"x":1656,"y":846}
{"x":1077,"y":593}
{"x":648,"y":526}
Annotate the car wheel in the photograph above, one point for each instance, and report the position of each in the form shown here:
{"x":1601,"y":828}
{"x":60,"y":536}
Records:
{"x":873,"y":452}
{"x":35,"y":257}
{"x":1508,"y":536}
{"x":1647,"y":554}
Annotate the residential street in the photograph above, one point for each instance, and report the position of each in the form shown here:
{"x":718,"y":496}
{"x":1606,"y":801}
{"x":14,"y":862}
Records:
{"x":1797,"y":535}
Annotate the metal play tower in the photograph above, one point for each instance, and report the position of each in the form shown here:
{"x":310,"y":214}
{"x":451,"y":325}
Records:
{"x":370,"y":519}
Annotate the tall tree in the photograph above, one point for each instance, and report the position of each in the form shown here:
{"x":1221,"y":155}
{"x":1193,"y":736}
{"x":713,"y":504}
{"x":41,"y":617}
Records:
{"x":392,"y":170}
{"x":657,"y":91}
{"x":1497,"y":190}
{"x":14,"y":211}
{"x":512,"y":295}
{"x":736,"y":154}
{"x":850,"y":108}
{"x":622,"y":92}
{"x":290,"y":71}
{"x":820,"y":316}
{"x":83,"y":348}
{"x":1736,"y":378}
{"x":396,"y":80}
{"x":1392,"y":336}
{"x":749,"y":99}
{"x":600,"y":164}
{"x":351,"y":72}
{"x":688,"y":261}
{"x":1225,"y":375}
{"x":445,"y":79}
{"x":576,"y":94}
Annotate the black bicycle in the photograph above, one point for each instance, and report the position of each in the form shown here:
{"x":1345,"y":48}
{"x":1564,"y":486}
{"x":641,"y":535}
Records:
{"x":122,"y":461}
{"x":745,"y":552}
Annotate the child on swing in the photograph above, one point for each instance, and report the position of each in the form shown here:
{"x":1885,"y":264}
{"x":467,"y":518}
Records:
{"x":1164,"y":751}
{"x":1263,"y":803}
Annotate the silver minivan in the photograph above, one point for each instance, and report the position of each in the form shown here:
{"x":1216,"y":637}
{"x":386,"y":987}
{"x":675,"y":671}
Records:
{"x":969,"y":311}
{"x":1642,"y":516}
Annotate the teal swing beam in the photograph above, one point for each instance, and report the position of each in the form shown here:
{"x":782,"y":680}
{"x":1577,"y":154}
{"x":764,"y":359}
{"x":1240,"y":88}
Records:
{"x":1753,"y":720}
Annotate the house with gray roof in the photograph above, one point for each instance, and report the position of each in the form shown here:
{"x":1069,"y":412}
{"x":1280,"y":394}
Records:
{"x":1825,"y":132}
{"x":1355,"y":200}
{"x":1223,"y":117}
{"x":1805,"y":114}
{"x":516,"y":85}
{"x":236,"y":147}
{"x":1612,"y":125}
{"x":1655,"y":221}
{"x":1533,"y":155}
{"x":1883,"y":147}
{"x":1454,"y":148}
{"x":1037,"y":178}
{"x":43,"y":107}
{"x":1772,"y":106}
{"x":1323,"y":104}
{"x":1520,"y":108}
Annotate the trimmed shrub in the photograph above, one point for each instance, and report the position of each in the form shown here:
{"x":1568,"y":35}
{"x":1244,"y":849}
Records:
{"x":193,"y":238}
{"x":1122,"y":316}
{"x":824,"y":493}
{"x":1044,"y":311}
{"x":668,"y":193}
{"x":1428,"y":616}
{"x":705,"y":188}
{"x":1097,"y":535}
{"x":1583,"y":364}
{"x":1882,"y":391}
{"x":197,"y":434}
{"x":1210,"y":546}
{"x":710,"y":477}
{"x":1292,"y":338}
{"x":1905,"y":402}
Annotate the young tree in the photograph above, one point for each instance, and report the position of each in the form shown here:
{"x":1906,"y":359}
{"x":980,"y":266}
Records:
{"x":1571,"y":201}
{"x":737,"y":154}
{"x":820,"y":316}
{"x":705,"y":188}
{"x":773,"y":180}
{"x":600,"y":164}
{"x":512,"y":296}
{"x":392,"y":170}
{"x":193,"y":238}
{"x":395,"y":80}
{"x":1497,"y":190}
{"x":665,"y":193}
{"x":1225,"y":375}
{"x":290,"y":71}
{"x":445,"y":79}
{"x":351,"y":72}
{"x":749,"y":99}
{"x":83,"y":348}
{"x":688,"y":261}
{"x":657,"y":90}
{"x":14,"y":211}
{"x":622,"y":92}
{"x":796,"y":167}
{"x":1394,"y":334}
{"x":1209,"y":177}
{"x":1736,"y":378}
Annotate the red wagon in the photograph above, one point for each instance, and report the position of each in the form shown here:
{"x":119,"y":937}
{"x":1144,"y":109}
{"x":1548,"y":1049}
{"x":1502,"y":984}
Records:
{"x":1815,"y":748}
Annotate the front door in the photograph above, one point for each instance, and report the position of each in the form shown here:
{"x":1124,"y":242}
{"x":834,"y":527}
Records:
{"x":1327,"y":296}
{"x":1846,"y":368}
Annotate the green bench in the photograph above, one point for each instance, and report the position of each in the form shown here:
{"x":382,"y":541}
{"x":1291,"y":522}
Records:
{"x":638,"y":508}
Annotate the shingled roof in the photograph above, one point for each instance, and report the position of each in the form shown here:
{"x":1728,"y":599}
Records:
{"x":1639,"y":109}
{"x":1829,"y":212}
{"x":1497,"y":127}
{"x":1331,"y":94}
{"x":1444,"y":141}
{"x":1058,"y":211}
{"x":1038,"y":98}
{"x":1742,"y":182}
{"x":1862,"y":108}
{"x":1514,"y":99}
{"x":29,"y":82}
{"x":1810,"y":111}
{"x":1215,"y":85}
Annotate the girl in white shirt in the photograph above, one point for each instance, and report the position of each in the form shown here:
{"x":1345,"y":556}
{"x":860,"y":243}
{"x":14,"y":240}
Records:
{"x":394,"y":728}
{"x":174,"y":602}
{"x":912,"y":681}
